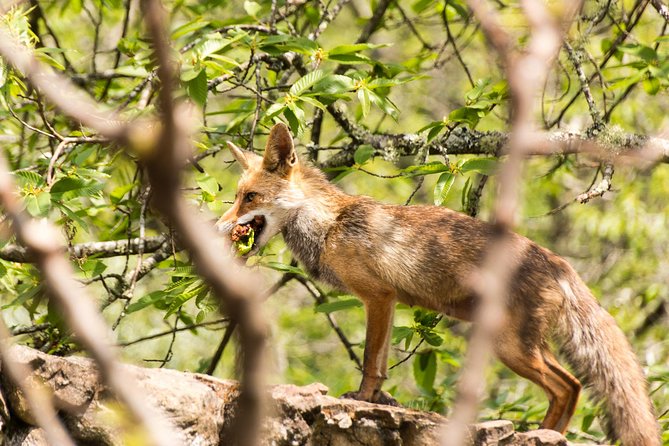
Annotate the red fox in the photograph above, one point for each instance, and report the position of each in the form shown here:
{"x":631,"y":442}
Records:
{"x":423,"y":255}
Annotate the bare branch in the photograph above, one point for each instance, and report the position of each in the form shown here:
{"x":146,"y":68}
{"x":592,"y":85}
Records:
{"x":231,"y":285}
{"x":661,"y":8}
{"x":464,"y":141}
{"x":21,"y":254}
{"x":601,"y":188}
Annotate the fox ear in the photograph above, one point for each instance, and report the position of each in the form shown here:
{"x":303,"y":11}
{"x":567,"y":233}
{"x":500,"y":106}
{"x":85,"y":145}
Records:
{"x":243,"y":157}
{"x":280,"y":156}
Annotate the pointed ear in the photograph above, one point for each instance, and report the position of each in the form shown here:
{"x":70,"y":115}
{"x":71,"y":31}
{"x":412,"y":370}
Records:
{"x":243,"y":157}
{"x":280,"y":155}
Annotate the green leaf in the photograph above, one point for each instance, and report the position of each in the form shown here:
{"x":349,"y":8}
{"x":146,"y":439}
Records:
{"x":212,"y":44}
{"x":384,"y":104}
{"x":349,"y":59}
{"x":29,"y":177}
{"x":431,"y":337}
{"x":465,"y":115}
{"x":72,"y":215}
{"x":625,"y":82}
{"x":426,"y":318}
{"x":651,"y":85}
{"x":364,"y":98}
{"x":252,"y":8}
{"x":443,"y":187}
{"x":197,"y":88}
{"x":275,"y":109}
{"x":93,"y":267}
{"x":299,"y":115}
{"x":646,"y":53}
{"x":587,"y":421}
{"x":67,"y":184}
{"x":3,"y":73}
{"x":354,"y":48}
{"x":363,"y":154}
{"x":459,"y":8}
{"x":293,"y":122}
{"x":313,"y":102}
{"x":425,"y":370}
{"x":133,"y":71}
{"x":306,"y":82}
{"x":189,"y":27}
{"x":118,"y":193}
{"x":434,"y":131}
{"x":380,"y":82}
{"x":207,"y":183}
{"x":27,"y":294}
{"x":179,"y":300}
{"x":284,"y":268}
{"x":426,"y":169}
{"x":38,"y":205}
{"x":421,"y":5}
{"x":485,"y":166}
{"x":401,"y":333}
{"x":334,"y":84}
{"x":145,"y":301}
{"x":69,"y":188}
{"x":341,"y":172}
{"x":338,"y":305}
{"x":41,"y":54}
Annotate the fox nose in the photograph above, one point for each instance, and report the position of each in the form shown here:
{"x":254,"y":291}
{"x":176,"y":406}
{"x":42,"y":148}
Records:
{"x":224,"y":226}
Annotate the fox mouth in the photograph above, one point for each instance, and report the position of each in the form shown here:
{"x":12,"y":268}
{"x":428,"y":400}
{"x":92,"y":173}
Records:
{"x":245,"y":236}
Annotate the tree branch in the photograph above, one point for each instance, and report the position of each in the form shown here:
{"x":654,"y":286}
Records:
{"x":114,"y":248}
{"x":465,"y":141}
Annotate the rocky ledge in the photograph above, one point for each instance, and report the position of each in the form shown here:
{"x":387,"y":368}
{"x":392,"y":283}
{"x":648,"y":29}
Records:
{"x":201,"y":408}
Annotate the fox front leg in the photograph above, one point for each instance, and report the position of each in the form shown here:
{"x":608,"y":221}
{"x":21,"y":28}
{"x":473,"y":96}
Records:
{"x":379,"y":314}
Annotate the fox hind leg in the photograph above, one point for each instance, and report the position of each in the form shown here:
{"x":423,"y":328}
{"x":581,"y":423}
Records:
{"x":540,"y":366}
{"x":571,"y":381}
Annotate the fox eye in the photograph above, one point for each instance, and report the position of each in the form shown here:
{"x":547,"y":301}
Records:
{"x":249,"y":196}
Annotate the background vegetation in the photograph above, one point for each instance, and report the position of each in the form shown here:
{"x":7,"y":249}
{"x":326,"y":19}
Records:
{"x":387,"y":97}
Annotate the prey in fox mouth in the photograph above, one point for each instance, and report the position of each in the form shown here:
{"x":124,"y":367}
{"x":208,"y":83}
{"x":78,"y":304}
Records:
{"x":244,"y":236}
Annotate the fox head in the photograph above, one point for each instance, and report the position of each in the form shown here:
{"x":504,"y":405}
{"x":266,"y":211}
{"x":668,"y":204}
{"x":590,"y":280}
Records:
{"x":265,"y":188}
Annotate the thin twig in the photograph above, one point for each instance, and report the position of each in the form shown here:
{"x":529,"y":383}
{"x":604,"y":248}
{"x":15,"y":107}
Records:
{"x":170,"y":331}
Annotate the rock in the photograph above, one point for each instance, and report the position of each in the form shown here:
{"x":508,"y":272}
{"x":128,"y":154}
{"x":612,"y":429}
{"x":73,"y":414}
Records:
{"x":541,"y":437}
{"x":492,"y":432}
{"x":25,"y":435}
{"x":201,"y":408}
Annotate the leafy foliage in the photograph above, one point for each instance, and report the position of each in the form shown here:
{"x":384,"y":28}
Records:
{"x":422,"y":75}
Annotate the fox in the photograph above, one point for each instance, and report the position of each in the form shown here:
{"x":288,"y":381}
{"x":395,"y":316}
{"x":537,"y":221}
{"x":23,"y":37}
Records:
{"x":423,"y":255}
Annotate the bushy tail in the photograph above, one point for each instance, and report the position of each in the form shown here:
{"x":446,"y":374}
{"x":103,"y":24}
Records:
{"x":603,"y":359}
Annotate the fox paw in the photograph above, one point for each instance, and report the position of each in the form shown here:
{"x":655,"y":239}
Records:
{"x":379,"y":397}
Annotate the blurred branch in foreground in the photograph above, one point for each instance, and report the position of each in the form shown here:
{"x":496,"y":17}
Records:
{"x":163,"y":146}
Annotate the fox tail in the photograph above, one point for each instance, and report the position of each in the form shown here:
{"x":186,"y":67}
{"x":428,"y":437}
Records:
{"x":603,"y":359}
